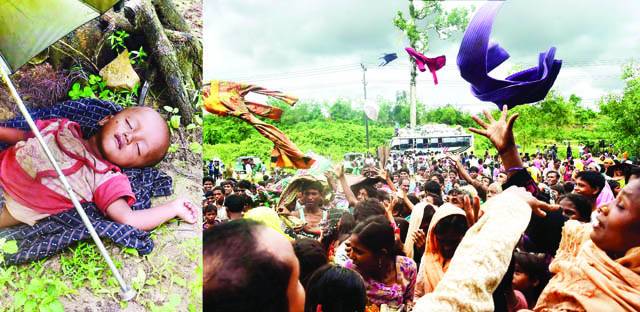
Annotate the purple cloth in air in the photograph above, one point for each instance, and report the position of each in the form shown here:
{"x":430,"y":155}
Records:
{"x":477,"y":57}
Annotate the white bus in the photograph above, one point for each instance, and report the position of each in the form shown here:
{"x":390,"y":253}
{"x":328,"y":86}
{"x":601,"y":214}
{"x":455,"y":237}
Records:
{"x":431,"y":138}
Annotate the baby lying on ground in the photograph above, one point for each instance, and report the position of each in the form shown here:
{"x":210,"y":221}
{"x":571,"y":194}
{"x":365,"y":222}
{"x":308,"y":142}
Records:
{"x":30,"y":188}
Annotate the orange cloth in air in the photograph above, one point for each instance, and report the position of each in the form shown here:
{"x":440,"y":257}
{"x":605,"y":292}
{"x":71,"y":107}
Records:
{"x":226,"y":98}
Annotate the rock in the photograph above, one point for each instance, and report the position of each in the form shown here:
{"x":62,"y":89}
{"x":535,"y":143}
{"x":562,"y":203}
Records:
{"x":119,"y":74}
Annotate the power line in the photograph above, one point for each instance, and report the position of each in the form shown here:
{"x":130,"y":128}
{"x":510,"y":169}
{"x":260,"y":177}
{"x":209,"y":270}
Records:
{"x":332,"y":69}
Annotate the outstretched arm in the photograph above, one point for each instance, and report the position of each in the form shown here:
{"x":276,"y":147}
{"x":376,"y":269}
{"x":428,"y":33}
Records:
{"x":351,"y":198}
{"x":462,"y":172}
{"x":149,"y":219}
{"x":12,"y":136}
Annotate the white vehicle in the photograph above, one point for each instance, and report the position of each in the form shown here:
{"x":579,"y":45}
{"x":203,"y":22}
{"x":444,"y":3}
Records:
{"x":432,"y":138}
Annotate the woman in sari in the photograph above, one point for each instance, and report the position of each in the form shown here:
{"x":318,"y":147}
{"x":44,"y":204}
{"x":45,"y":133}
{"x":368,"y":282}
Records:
{"x":446,"y":230}
{"x":389,"y":276}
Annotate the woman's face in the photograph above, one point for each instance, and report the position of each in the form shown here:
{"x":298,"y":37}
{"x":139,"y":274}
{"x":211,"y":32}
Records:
{"x":569,"y":209}
{"x":362,"y":194}
{"x":448,"y":241}
{"x":362,"y":257}
{"x":617,"y":228}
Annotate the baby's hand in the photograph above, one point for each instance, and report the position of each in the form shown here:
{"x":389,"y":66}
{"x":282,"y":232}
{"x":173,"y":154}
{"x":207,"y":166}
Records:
{"x":186,"y":210}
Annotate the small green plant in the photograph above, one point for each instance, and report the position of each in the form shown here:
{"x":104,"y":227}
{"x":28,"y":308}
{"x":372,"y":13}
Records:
{"x":85,"y":267}
{"x":7,"y":247}
{"x":137,"y":57}
{"x":38,"y":290}
{"x":95,"y":85}
{"x":117,"y":40}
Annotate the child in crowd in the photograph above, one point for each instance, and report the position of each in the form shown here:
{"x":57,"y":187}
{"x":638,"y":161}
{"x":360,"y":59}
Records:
{"x":133,"y":138}
{"x":531,"y":274}
{"x":210,"y":215}
{"x":334,"y":288}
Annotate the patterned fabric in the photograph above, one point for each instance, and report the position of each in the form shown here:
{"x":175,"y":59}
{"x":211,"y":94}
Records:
{"x":393,"y":295}
{"x":226,"y":98}
{"x":57,"y":232}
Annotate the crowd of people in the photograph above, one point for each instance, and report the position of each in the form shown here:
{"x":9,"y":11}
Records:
{"x":502,"y":231}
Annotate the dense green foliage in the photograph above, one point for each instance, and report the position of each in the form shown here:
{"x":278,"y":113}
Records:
{"x":335,"y":129}
{"x":623,"y":113}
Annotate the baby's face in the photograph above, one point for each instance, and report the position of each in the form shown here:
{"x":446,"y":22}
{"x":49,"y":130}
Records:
{"x":135,"y":137}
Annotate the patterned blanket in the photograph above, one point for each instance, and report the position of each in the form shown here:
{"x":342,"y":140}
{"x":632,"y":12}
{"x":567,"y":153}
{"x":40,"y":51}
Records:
{"x":55,"y":233}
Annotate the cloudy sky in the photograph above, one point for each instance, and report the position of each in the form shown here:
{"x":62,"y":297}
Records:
{"x":313,"y":49}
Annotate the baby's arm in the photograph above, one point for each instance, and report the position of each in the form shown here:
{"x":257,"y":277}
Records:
{"x":12,"y":136}
{"x":148,"y":219}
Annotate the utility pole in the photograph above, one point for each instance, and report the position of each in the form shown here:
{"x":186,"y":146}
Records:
{"x":366,"y":119}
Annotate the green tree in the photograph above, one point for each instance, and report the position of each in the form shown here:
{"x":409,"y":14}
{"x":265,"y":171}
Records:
{"x":427,"y":18}
{"x":341,"y":110}
{"x":624,"y":112}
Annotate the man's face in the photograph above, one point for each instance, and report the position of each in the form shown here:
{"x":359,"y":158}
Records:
{"x":218,"y":197}
{"x":583,"y":188}
{"x":617,"y":228}
{"x":207,"y":186}
{"x":473,"y":174}
{"x":404,"y":174}
{"x":312,"y":197}
{"x":405,"y":186}
{"x":552,"y":178}
{"x":228,"y":189}
{"x":133,"y":138}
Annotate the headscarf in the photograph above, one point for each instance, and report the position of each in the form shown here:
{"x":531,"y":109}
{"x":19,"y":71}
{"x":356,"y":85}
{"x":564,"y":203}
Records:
{"x":433,"y":265}
{"x":605,"y":196}
{"x":586,"y":278}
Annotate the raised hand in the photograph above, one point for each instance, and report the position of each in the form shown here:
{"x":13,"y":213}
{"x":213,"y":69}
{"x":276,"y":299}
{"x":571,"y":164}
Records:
{"x":383,"y":174}
{"x":419,"y":238}
{"x":339,"y":171}
{"x":499,"y":132}
{"x":472,"y":209}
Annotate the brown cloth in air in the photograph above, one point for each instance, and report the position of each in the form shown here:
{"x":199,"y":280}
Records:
{"x":226,"y":98}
